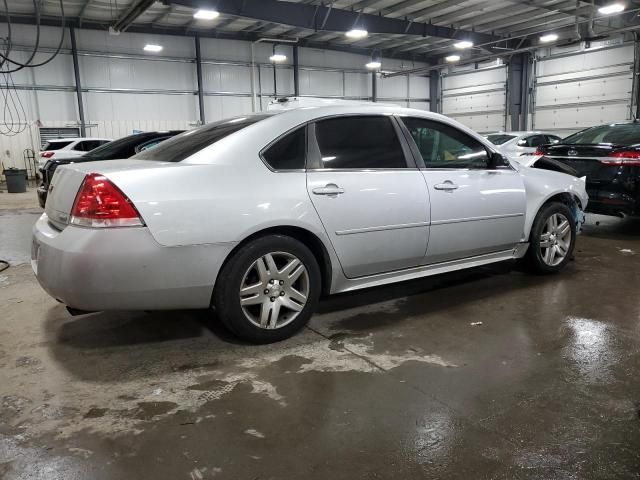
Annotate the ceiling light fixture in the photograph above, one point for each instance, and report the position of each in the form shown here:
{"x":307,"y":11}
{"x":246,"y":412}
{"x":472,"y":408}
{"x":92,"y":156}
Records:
{"x":150,"y":47}
{"x":452,"y":58}
{"x":356,"y":33}
{"x":613,"y":8}
{"x":373,"y":65}
{"x":206,"y":14}
{"x":549,"y":37}
{"x":278,"y":57}
{"x":463,"y":44}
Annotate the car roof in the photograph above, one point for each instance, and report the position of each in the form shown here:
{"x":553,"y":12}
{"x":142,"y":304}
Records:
{"x":76,"y":139}
{"x":520,"y":133}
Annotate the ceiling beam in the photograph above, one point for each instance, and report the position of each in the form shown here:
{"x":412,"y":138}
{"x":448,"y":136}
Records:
{"x":181,"y":32}
{"x":335,"y":20}
{"x":134,"y":11}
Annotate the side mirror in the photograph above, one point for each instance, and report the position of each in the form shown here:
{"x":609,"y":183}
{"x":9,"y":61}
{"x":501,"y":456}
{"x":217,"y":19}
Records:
{"x":497,"y":160}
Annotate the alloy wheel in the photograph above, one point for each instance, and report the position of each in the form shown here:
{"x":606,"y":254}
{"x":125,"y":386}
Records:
{"x":555,"y":239}
{"x":274,"y":290}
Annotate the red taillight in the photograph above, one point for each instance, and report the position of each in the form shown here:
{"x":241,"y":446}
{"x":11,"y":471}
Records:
{"x":99,"y":203}
{"x":46,"y":154}
{"x":538,"y":152}
{"x":623,"y":158}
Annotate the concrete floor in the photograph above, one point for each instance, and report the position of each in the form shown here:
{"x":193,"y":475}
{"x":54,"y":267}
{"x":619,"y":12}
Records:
{"x":392,"y":382}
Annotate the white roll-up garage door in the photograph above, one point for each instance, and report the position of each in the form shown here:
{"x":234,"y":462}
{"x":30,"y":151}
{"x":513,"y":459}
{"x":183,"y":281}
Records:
{"x":575,"y":91}
{"x":476,"y":98}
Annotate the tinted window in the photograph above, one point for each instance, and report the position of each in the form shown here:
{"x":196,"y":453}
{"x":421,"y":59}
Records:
{"x":125,"y":147}
{"x":553,"y":139}
{"x":359,"y":142}
{"x":443,"y":146}
{"x":150,"y":144}
{"x":87,"y":145}
{"x":499,"y":138}
{"x":622,"y":134}
{"x":186,"y":144}
{"x":288,"y":153}
{"x":55,"y":145}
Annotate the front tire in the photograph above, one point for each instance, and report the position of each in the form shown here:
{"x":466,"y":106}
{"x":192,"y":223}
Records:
{"x":268,"y":290}
{"x":552,"y":238}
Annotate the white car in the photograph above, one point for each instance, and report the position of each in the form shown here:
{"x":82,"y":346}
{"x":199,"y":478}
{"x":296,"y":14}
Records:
{"x":521,"y":146}
{"x":66,"y":148}
{"x":256,"y":216}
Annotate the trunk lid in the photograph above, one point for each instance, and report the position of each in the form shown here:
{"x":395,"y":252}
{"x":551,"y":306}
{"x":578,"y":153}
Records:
{"x":67,"y":179}
{"x":585,"y":159}
{"x":63,"y":187}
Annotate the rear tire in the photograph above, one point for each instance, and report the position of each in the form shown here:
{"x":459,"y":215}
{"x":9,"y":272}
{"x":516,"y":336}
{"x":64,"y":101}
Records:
{"x":552,"y":239}
{"x":268,"y":289}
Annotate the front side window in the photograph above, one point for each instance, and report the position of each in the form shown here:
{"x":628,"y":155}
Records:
{"x":444,"y":146}
{"x":288,"y":153}
{"x":359,"y":142}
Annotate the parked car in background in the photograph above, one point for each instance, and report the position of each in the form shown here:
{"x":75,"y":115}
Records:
{"x":521,"y":146}
{"x":609,"y":157}
{"x":257,"y":215}
{"x":64,"y":148}
{"x":122,"y":148}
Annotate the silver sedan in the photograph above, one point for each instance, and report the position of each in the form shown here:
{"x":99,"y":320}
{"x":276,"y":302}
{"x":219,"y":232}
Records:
{"x":257,"y":216}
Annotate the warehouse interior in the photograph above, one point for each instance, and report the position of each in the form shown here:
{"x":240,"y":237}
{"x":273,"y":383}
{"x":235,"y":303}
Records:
{"x":488,"y":372}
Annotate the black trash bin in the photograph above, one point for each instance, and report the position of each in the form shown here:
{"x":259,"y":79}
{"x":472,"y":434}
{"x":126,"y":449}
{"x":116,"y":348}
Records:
{"x":16,"y":180}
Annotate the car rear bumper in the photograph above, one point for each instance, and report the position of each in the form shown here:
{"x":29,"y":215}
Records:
{"x":122,"y":268}
{"x":612,"y":202}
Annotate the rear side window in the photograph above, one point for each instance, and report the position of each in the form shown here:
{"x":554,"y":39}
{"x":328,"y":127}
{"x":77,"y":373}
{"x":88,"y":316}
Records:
{"x":553,"y":139}
{"x":55,"y":145}
{"x":361,"y":142}
{"x":444,"y":146}
{"x":186,"y":144}
{"x":288,"y":153}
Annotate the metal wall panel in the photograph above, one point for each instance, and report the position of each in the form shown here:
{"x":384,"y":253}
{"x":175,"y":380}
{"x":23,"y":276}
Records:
{"x":357,"y":85}
{"x":126,"y":73}
{"x":226,"y":78}
{"x":476,"y":98}
{"x":136,"y":106}
{"x":321,"y":83}
{"x":582,"y":89}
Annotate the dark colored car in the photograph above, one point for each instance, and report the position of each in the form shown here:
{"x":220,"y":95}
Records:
{"x":609,"y":156}
{"x":122,"y":148}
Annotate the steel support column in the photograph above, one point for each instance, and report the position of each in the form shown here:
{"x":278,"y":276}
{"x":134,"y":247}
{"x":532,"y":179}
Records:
{"x":374,"y":87}
{"x":518,"y":90}
{"x":76,"y":72}
{"x":434,"y":90}
{"x":296,"y":72}
{"x":199,"y":80}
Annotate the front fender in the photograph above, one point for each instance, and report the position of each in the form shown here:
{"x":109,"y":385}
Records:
{"x":543,"y":185}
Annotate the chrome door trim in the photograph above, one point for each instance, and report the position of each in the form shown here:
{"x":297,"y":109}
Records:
{"x":382,"y":228}
{"x":474,"y":219}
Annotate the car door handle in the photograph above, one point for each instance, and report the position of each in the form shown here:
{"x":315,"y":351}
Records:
{"x":328,"y":189}
{"x":447,"y":186}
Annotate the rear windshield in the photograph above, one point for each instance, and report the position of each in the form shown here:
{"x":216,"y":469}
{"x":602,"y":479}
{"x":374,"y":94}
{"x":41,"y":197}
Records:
{"x":55,"y":145}
{"x":499,"y":138}
{"x":623,"y":134}
{"x":186,"y":144}
{"x":124,"y":147}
